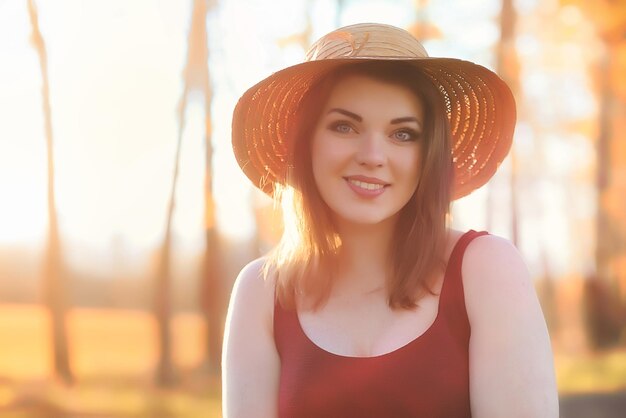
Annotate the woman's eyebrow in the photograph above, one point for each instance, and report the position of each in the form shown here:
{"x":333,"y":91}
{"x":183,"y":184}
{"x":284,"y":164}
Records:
{"x":346,"y":113}
{"x":406,"y":119}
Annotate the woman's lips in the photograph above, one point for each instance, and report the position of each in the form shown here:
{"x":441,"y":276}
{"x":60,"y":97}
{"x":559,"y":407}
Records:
{"x":366,"y":186}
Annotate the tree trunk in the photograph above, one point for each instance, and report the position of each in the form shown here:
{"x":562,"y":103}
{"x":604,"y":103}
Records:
{"x":603,"y":314}
{"x":165,"y":374}
{"x":55,"y":294}
{"x":213,"y":307}
{"x":197,"y":80}
{"x":508,"y":69}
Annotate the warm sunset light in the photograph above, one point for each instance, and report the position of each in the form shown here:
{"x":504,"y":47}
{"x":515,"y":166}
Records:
{"x":113,"y":167}
{"x":133,"y":255}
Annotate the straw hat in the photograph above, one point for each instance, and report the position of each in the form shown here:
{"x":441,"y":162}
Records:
{"x":479,"y":105}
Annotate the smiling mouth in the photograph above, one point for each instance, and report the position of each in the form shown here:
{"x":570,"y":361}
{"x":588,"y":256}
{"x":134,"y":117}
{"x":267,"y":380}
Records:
{"x":365,"y":185}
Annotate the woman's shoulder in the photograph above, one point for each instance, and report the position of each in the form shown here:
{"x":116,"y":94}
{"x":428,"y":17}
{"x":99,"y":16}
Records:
{"x":494,"y":275}
{"x":491,"y":253}
{"x":252,"y":275}
{"x":480,"y":243}
{"x":253,"y":290}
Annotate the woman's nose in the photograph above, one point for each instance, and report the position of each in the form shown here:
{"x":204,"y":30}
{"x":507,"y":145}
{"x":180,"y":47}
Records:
{"x":371,"y":151}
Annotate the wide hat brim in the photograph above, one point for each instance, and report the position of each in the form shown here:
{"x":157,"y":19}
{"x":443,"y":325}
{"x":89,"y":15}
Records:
{"x":479,"y":105}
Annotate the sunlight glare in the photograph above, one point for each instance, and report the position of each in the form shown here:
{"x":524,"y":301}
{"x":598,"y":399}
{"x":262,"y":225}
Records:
{"x":23,"y":163}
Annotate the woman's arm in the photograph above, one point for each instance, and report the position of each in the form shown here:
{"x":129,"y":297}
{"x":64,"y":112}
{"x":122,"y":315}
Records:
{"x":511,"y":363}
{"x":250,"y":364}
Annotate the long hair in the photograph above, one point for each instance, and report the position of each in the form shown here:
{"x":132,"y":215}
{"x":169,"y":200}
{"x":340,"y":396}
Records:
{"x":304,"y":259}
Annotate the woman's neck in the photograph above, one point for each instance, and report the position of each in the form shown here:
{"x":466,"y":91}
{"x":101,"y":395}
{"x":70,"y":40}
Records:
{"x":364,"y":255}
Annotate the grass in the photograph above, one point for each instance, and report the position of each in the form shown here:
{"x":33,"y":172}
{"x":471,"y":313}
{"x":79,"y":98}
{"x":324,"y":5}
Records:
{"x":593,"y":372}
{"x":109,"y":397}
{"x":113,"y":356}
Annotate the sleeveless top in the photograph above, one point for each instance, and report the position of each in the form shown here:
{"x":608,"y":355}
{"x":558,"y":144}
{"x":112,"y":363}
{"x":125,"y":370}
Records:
{"x":428,"y":377}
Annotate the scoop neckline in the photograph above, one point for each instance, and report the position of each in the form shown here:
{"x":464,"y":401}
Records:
{"x":413,"y":341}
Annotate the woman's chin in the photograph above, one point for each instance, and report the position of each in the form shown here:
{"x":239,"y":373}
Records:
{"x":365,"y":218}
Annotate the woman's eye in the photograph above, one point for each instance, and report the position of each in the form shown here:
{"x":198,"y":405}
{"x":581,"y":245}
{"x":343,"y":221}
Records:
{"x":406,"y":135}
{"x":341,"y":127}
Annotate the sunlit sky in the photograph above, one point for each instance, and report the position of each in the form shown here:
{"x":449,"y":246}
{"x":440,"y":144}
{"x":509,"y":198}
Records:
{"x":115,"y":71}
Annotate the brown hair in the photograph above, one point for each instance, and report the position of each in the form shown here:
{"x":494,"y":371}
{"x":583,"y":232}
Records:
{"x":303,"y":261}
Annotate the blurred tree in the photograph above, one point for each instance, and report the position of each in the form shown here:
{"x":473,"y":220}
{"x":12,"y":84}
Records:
{"x":609,"y":18}
{"x":55,"y":294}
{"x":421,"y":27}
{"x":507,"y":66}
{"x":196,"y":79}
{"x":603,"y":315}
{"x":165,"y":374}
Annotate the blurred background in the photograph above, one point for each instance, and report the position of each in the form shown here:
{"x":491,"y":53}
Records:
{"x":124,"y":218}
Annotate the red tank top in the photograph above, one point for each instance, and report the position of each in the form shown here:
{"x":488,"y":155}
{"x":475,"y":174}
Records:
{"x":428,"y":377}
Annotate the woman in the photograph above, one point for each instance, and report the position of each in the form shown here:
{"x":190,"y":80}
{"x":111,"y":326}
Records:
{"x":371,"y":306}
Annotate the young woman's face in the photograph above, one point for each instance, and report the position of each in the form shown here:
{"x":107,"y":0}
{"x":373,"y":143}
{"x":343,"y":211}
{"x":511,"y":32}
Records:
{"x":366,"y":149}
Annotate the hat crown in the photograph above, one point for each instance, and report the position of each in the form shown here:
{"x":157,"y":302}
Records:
{"x":367,"y":40}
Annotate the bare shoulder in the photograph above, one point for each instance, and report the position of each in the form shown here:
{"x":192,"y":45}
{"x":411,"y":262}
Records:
{"x":253,"y":295}
{"x":251,"y":280}
{"x":490,"y":258}
{"x":495,"y":277}
{"x":488,"y":246}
